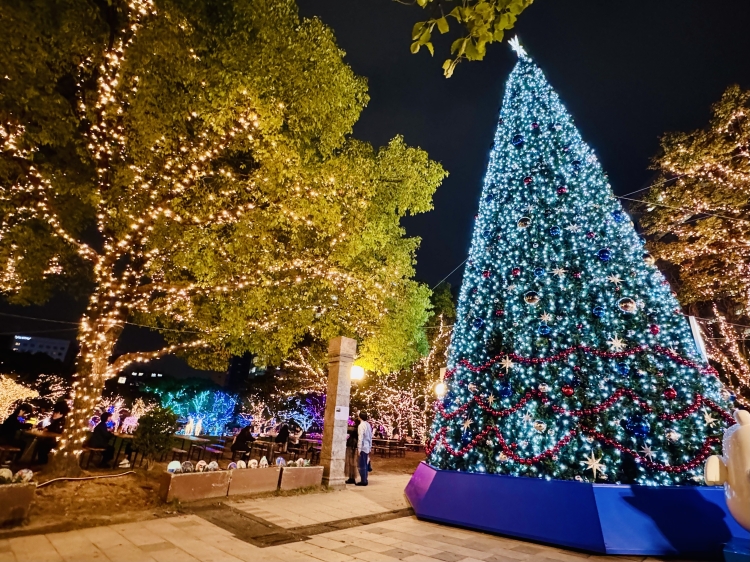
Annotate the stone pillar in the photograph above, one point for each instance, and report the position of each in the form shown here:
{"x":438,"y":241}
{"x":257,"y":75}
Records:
{"x":341,"y":353}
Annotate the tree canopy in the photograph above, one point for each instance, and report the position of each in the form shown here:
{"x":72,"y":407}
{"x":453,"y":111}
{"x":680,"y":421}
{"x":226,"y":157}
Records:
{"x":699,"y":209}
{"x":482,"y":22}
{"x":189,"y":165}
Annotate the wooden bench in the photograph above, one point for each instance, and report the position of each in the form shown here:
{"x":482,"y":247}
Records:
{"x":196,"y":448}
{"x":91,"y":452}
{"x":212,"y":451}
{"x":9,"y":453}
{"x":382,"y":449}
{"x":177,"y":452}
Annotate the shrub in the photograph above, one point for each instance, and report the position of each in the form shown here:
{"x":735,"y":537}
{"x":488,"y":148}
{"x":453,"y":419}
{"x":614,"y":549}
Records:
{"x":154,"y":433}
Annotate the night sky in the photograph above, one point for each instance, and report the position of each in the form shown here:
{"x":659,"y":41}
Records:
{"x":625,"y":75}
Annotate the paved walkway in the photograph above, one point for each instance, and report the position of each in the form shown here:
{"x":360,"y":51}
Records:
{"x":385,"y":493}
{"x":194,"y":538}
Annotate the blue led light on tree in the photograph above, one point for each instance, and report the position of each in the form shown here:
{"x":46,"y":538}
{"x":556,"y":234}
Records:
{"x":637,"y":425}
{"x":605,"y":254}
{"x":555,"y":231}
{"x":623,"y":369}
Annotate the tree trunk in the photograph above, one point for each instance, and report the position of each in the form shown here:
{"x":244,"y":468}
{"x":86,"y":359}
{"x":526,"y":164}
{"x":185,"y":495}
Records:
{"x":96,"y":346}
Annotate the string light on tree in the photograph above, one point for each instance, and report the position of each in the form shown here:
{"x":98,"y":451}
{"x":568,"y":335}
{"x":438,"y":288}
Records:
{"x":210,"y":178}
{"x":594,"y":370}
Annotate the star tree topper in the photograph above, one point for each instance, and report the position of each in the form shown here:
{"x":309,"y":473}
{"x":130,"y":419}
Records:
{"x":515,"y":44}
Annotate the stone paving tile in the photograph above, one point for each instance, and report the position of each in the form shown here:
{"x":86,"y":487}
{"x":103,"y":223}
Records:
{"x":154,"y":547}
{"x":350,"y":549}
{"x":527,"y":549}
{"x":500,"y":558}
{"x":73,"y":546}
{"x":420,"y":558}
{"x":371,"y":545}
{"x":34,"y":548}
{"x":417,"y":548}
{"x":370,"y":556}
{"x":319,"y":552}
{"x":448,"y":556}
{"x":399,"y":553}
{"x":173,"y":554}
{"x":326,"y":542}
{"x":567,"y":556}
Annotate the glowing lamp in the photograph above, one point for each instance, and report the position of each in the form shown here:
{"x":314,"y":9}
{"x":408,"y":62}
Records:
{"x":358,"y":373}
{"x":440,"y":389}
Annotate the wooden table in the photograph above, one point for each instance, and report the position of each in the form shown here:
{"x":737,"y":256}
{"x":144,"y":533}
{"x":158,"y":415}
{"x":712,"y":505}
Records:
{"x":193,"y":441}
{"x":122,"y":438}
{"x":36,"y":434}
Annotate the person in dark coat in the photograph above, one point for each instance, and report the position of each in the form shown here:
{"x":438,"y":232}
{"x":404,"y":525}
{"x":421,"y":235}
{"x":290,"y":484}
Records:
{"x":100,"y":439}
{"x":243,"y":441}
{"x":13,"y":424}
{"x":350,"y":467}
{"x":282,"y":436}
{"x":56,"y":425}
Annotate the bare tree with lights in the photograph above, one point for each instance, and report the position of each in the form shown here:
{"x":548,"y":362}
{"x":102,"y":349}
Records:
{"x":188,"y":166}
{"x":698,"y":215}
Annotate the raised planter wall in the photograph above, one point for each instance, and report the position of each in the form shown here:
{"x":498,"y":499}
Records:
{"x":194,"y":485}
{"x":15,"y":501}
{"x":253,"y":480}
{"x":300,"y":477}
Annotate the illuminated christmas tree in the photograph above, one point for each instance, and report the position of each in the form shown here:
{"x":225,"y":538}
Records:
{"x":570,"y":357}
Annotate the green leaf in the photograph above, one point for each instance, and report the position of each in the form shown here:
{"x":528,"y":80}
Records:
{"x":417,"y":30}
{"x":457,"y":47}
{"x":516,"y":7}
{"x":442,"y":25}
{"x":470,"y":50}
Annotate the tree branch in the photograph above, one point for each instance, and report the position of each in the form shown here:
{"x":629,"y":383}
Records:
{"x":141,"y":357}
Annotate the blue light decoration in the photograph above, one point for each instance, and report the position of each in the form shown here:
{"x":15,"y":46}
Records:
{"x":581,"y":301}
{"x":211,"y":411}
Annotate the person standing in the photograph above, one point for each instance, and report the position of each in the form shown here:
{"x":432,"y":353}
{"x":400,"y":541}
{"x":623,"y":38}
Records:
{"x":364,"y":444}
{"x":352,"y":438}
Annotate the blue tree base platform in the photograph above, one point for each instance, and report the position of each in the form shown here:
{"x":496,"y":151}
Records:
{"x":601,"y":518}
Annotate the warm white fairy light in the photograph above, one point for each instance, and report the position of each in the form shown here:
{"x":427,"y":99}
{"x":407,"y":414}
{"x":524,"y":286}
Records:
{"x":147,"y":207}
{"x":11,"y":393}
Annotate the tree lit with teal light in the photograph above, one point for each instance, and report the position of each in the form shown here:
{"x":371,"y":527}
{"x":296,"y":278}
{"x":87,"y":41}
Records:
{"x":570,"y":357}
{"x":205,"y":412}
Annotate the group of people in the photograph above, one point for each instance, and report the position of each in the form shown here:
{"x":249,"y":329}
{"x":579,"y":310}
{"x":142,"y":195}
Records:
{"x":285,"y":436}
{"x":358,"y":448}
{"x":19,"y":420}
{"x":11,"y":432}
